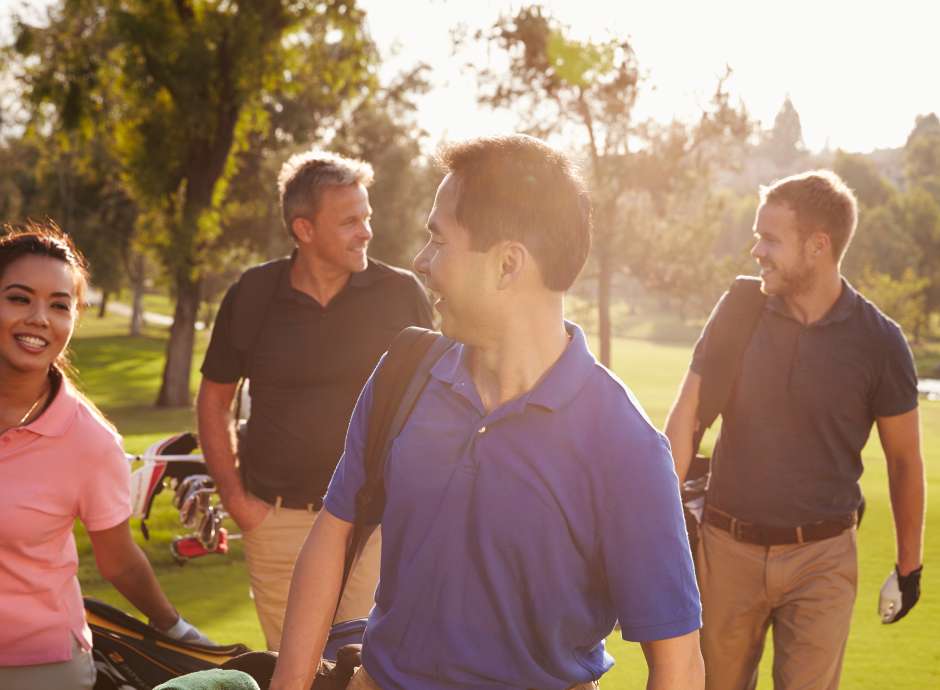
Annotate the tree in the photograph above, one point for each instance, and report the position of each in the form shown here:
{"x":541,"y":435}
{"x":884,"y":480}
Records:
{"x":922,"y":154}
{"x":784,"y":142}
{"x":586,"y":90}
{"x":193,"y":83}
{"x":860,"y":173}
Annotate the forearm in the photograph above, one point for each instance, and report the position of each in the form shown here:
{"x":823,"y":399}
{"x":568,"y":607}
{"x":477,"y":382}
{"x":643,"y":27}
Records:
{"x":681,"y":423}
{"x":218,"y":444}
{"x":138,"y":584}
{"x":906,"y":483}
{"x":311,"y":605}
{"x":675,"y":664}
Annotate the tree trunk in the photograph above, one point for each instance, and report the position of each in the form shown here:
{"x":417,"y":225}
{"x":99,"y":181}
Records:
{"x":103,"y":306}
{"x":137,"y":303}
{"x":604,"y":278}
{"x":174,"y":391}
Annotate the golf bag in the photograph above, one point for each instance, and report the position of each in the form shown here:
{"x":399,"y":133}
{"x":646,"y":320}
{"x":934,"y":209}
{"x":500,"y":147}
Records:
{"x":130,"y":655}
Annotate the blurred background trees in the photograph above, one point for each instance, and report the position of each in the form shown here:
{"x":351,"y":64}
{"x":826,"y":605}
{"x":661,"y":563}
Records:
{"x":153,"y":130}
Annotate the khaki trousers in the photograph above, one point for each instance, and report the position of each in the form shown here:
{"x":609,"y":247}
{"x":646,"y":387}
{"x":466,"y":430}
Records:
{"x":76,"y":674}
{"x":804,"y":591}
{"x":361,"y":680}
{"x":270,"y":551}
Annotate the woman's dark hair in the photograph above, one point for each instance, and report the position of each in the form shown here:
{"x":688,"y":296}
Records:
{"x":46,"y":240}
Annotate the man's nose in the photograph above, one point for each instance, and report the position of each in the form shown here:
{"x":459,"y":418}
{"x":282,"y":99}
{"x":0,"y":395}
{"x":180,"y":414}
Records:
{"x":420,"y":262}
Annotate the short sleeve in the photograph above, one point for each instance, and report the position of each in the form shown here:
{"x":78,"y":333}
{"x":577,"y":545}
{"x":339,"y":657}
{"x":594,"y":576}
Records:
{"x":105,"y":498}
{"x":701,"y":346}
{"x":223,"y":363}
{"x":644,"y":544}
{"x":896,"y":389}
{"x":350,"y":472}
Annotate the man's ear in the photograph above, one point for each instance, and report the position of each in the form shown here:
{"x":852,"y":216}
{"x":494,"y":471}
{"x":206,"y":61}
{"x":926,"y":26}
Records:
{"x":820,"y":244}
{"x":302,"y":229}
{"x":513,"y":258}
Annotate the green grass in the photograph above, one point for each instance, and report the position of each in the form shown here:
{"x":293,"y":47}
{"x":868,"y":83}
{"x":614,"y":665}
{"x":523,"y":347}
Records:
{"x":122,"y":375}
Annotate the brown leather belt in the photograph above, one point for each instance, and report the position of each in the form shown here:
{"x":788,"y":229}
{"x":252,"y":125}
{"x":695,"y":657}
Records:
{"x":764,"y":535}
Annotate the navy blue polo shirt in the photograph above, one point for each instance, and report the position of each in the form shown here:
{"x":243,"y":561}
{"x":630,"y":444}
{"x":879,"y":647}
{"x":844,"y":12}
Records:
{"x":513,"y":540}
{"x":790,"y":448}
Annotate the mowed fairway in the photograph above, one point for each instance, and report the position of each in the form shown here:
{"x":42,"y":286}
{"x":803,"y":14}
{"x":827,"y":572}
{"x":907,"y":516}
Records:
{"x":122,"y":375}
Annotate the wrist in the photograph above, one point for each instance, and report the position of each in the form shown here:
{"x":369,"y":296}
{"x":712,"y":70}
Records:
{"x":167,"y":621}
{"x":906,"y":569}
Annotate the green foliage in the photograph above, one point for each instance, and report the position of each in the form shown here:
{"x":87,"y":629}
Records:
{"x":903,"y":299}
{"x":860,"y":173}
{"x":922,"y":152}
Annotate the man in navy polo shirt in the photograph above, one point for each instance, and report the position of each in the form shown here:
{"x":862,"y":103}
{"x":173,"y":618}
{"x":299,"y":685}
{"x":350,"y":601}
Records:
{"x":822,"y":366}
{"x":530,"y":502}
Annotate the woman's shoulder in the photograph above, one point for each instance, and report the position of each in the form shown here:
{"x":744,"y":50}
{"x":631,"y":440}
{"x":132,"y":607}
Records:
{"x":90,"y":429}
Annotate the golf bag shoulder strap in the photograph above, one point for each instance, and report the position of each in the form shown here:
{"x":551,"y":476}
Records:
{"x":396,"y":388}
{"x":730,"y":333}
{"x":254,"y":292}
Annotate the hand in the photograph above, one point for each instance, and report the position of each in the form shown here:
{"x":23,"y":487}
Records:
{"x":184,"y":631}
{"x":246,"y":510}
{"x":899,"y":594}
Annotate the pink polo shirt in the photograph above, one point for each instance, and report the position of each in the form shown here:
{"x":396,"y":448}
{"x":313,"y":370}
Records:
{"x":66,"y":464}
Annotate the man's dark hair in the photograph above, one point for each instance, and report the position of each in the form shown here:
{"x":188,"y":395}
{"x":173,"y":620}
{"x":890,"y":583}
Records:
{"x":519,"y":188}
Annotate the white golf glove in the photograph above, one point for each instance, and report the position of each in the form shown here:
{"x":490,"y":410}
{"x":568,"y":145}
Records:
{"x":184,"y":631}
{"x":898,"y":595}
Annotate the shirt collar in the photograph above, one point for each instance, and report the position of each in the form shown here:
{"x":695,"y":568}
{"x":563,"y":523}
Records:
{"x":361,"y":279}
{"x":839,"y":311}
{"x":558,"y":386}
{"x":57,"y":418}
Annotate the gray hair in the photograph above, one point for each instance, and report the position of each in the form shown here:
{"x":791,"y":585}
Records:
{"x":304,"y":175}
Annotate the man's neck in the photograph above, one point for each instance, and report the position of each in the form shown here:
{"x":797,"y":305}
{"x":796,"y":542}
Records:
{"x":318,"y":279}
{"x":810,"y":306}
{"x":517,"y":354}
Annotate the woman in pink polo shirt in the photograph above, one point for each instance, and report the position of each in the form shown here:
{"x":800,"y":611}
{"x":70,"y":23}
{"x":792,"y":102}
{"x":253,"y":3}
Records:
{"x":60,"y":459}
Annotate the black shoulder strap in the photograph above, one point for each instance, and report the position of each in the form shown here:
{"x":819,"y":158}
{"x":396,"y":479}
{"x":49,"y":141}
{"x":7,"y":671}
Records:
{"x":398,"y":384}
{"x":253,"y":296}
{"x":730,"y":332}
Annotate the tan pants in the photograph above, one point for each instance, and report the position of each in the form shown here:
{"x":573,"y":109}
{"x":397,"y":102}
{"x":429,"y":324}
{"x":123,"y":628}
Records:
{"x":361,"y":680}
{"x":805,"y":591}
{"x":76,"y":674}
{"x":270,"y":551}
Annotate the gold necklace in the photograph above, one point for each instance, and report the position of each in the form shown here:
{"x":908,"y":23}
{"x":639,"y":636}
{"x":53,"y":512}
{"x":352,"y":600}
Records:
{"x":32,"y":407}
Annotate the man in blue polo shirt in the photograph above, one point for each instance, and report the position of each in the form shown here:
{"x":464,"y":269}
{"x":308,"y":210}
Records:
{"x":530,"y":503}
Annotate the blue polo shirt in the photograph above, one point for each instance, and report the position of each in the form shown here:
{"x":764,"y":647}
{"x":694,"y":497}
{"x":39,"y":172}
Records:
{"x":513,"y":540}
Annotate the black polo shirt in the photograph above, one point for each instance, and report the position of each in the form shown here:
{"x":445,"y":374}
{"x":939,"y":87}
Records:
{"x":306,"y":368}
{"x":789,"y":451}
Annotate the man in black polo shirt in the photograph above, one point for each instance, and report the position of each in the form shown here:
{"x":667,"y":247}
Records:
{"x":307,"y":332}
{"x":824,"y":364}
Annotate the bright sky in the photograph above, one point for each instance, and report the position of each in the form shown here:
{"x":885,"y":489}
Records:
{"x":858,"y":72}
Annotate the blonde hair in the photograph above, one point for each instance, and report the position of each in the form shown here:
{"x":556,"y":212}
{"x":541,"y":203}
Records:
{"x":822,"y":202}
{"x":304,"y":176}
